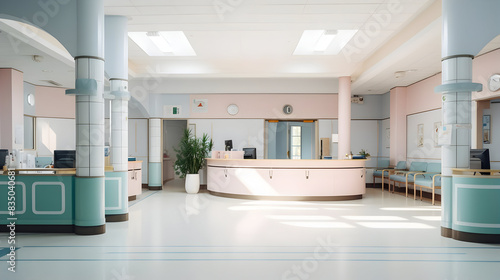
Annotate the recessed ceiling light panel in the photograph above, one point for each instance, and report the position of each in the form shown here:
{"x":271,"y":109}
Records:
{"x":163,"y":43}
{"x":323,"y":42}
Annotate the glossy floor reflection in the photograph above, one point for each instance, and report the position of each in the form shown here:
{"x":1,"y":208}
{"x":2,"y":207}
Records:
{"x":173,"y":235}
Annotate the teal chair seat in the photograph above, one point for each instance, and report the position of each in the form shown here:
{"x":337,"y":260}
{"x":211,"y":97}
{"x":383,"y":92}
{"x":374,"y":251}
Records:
{"x":383,"y":170}
{"x":429,"y":180}
{"x":407,"y":177}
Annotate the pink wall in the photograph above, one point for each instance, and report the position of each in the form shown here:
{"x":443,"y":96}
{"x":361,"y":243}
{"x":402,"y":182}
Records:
{"x":269,"y":106}
{"x":52,"y":102}
{"x":11,"y":107}
{"x":421,"y":96}
{"x":399,"y":97}
{"x":483,"y":67}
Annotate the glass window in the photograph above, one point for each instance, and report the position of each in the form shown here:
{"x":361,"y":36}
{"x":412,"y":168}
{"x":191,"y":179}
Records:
{"x":296,"y":142}
{"x":29,"y":133}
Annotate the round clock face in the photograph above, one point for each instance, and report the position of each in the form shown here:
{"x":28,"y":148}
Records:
{"x":232,"y":109}
{"x":494,"y":82}
{"x":287,"y":109}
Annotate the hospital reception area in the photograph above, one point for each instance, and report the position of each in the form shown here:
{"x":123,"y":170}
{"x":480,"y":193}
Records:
{"x":227,"y":139}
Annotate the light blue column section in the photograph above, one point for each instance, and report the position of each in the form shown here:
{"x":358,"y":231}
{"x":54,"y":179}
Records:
{"x":116,"y":193}
{"x":89,"y":201}
{"x":476,"y":204}
{"x":154,"y":172}
{"x":446,"y":201}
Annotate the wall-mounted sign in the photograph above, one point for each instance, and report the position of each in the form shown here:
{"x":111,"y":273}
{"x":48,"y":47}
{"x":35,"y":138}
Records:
{"x":200,"y":105}
{"x":171,"y":110}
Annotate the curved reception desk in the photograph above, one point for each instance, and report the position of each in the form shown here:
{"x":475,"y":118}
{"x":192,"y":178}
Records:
{"x":285,"y":179}
{"x":474,"y":206}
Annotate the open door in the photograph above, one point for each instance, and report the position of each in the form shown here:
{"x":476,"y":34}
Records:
{"x":291,"y":139}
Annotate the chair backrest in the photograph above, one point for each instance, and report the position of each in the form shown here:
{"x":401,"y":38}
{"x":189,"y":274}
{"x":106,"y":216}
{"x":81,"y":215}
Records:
{"x":382,"y":163}
{"x":418,"y":166}
{"x":434,"y":167}
{"x":401,"y":165}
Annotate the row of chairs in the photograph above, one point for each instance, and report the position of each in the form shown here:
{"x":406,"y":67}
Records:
{"x":420,"y":174}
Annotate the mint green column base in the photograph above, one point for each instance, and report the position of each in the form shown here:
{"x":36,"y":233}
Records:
{"x":154,"y":172}
{"x":116,"y":196}
{"x":89,"y":205}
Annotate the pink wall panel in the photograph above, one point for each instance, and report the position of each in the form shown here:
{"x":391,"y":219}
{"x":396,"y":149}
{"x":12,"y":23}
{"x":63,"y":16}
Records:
{"x":421,"y":96}
{"x":52,"y":102}
{"x":268,"y":106}
{"x":11,"y":107}
{"x":483,"y":67}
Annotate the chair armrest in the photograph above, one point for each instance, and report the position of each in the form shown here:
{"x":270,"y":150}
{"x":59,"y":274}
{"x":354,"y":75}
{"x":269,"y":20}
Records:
{"x":418,"y":173}
{"x":434,"y":178}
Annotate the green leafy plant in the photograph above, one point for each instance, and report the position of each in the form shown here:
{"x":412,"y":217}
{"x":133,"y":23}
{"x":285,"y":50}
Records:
{"x":364,"y":153}
{"x":191,"y":153}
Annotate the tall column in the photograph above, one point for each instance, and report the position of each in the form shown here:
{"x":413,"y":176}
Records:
{"x":456,"y":106}
{"x":11,"y":109}
{"x":398,"y":125}
{"x":344,"y":118}
{"x":154,"y":168}
{"x":117,"y":69}
{"x":460,"y":41}
{"x":89,"y":87}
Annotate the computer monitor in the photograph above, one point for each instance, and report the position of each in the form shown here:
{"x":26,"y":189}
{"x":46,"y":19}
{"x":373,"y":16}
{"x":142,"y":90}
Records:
{"x":3,"y":154}
{"x":480,"y":159}
{"x":228,"y":145}
{"x":250,"y":153}
{"x":64,"y":159}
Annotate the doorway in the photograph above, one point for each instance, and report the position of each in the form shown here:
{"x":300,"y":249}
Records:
{"x":291,"y":139}
{"x":173,"y":130}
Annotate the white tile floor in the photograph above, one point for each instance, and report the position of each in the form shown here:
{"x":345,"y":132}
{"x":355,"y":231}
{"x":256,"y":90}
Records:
{"x":173,"y":235}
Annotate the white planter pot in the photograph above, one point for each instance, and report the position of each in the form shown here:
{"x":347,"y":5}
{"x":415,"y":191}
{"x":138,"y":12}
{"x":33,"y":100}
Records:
{"x":192,"y":183}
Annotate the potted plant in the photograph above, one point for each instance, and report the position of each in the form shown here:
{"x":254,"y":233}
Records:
{"x":364,"y":153}
{"x":191,"y":155}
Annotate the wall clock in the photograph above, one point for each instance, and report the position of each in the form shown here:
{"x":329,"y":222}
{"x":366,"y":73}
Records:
{"x":287,"y":109}
{"x":494,"y":82}
{"x":232,"y":109}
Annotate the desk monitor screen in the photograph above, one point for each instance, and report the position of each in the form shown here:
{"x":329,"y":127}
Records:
{"x":3,"y":154}
{"x":228,"y":145}
{"x":64,"y":159}
{"x":480,"y":159}
{"x":250,"y":153}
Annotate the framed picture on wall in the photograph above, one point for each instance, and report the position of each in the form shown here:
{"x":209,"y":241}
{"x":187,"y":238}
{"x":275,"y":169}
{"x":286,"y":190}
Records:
{"x":437,"y":126}
{"x":192,"y":127}
{"x":486,"y":129}
{"x":420,"y":135}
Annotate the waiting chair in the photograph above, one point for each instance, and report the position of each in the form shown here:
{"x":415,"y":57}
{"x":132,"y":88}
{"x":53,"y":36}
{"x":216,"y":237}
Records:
{"x":406,"y":176}
{"x":385,"y":172}
{"x":429,"y":180}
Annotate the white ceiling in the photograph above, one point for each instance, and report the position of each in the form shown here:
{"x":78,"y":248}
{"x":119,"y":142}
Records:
{"x":256,"y":39}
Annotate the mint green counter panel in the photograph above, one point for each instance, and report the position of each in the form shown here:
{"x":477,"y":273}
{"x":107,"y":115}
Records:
{"x":154,"y":172}
{"x":446,"y":201}
{"x":89,"y":201}
{"x":476,"y":204}
{"x":40,"y":199}
{"x":116,"y":193}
